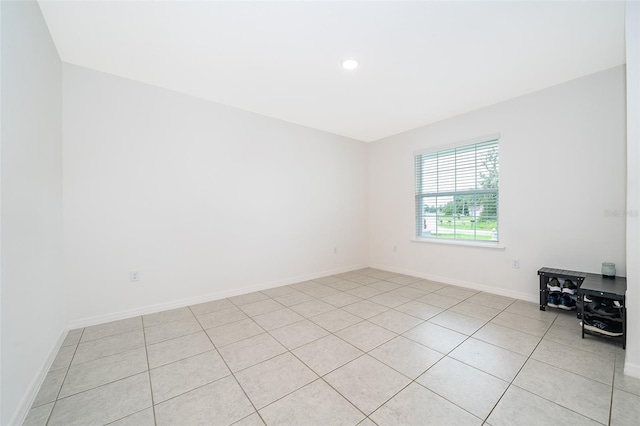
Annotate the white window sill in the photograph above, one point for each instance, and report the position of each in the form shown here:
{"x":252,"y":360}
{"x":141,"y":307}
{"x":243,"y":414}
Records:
{"x":488,"y":245}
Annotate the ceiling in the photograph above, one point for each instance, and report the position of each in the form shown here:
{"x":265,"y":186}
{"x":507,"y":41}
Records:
{"x":420,"y":62}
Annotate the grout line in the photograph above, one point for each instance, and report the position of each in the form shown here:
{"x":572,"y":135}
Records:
{"x":233,"y":374}
{"x":146,"y":352}
{"x":65,"y":377}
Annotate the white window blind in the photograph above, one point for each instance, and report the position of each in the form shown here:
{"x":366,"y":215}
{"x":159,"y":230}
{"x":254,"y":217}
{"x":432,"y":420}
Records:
{"x":457,"y":192}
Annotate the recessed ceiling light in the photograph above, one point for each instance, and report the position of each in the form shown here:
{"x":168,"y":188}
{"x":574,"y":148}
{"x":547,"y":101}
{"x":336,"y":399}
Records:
{"x":350,"y":64}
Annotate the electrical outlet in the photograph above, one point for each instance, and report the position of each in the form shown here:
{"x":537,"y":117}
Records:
{"x":134,"y":276}
{"x":515,"y":263}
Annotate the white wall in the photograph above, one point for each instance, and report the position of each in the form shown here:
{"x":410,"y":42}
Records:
{"x":562,"y":166}
{"x":33,"y":296}
{"x":202,"y":199}
{"x":632,"y":358}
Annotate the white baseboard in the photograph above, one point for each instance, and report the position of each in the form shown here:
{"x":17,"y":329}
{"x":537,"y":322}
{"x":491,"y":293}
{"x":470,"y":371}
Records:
{"x":32,"y":391}
{"x":632,"y":370}
{"x":447,"y":280}
{"x":150,"y":309}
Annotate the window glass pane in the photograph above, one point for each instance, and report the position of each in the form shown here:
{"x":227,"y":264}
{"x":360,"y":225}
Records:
{"x":457,"y":193}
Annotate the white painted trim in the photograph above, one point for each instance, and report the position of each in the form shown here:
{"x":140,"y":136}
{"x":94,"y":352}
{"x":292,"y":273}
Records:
{"x":32,"y":390}
{"x":487,"y":245}
{"x":151,"y":309}
{"x":474,"y":286}
{"x":451,"y":145}
{"x":632,"y":370}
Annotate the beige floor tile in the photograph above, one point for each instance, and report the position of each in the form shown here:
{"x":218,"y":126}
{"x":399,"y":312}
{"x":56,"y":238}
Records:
{"x":38,"y":416}
{"x":625,"y":408}
{"x":171,"y":330}
{"x":244,"y":299}
{"x":520,"y":323}
{"x":314,"y":405}
{"x":427,"y":286}
{"x":573,"y":337}
{"x":599,"y":367}
{"x":326,"y":354}
{"x":395,"y":321}
{"x":261,"y":307}
{"x":585,"y":396}
{"x":435,"y":337}
{"x":212,"y":306}
{"x":335,"y":320}
{"x":248,"y":352}
{"x":406,"y":356}
{"x":385,"y":285}
{"x":279,"y":291}
{"x":467,"y":387}
{"x":179,"y":348}
{"x":408,"y":292}
{"x":234,"y":332}
{"x":109,"y":329}
{"x":403,"y":279}
{"x":416,"y":405}
{"x":221,"y":317}
{"x":251,"y":420}
{"x":491,"y":300}
{"x":271,"y":380}
{"x":100,"y":348}
{"x":73,"y":337}
{"x":364,"y":280}
{"x":182,"y":376}
{"x":519,"y":407}
{"x":298,"y":334}
{"x":312,"y":308}
{"x":141,"y":418}
{"x":456,"y":292}
{"x":389,"y":300}
{"x":365,"y":335}
{"x":341,"y":299}
{"x":63,"y":358}
{"x":365,"y":292}
{"x":343,"y":285}
{"x":491,"y":359}
{"x":626,"y":383}
{"x":507,"y":338}
{"x":419,"y":310}
{"x":277,"y":319}
{"x":104,"y":404}
{"x":439,"y":300}
{"x":293,"y":298}
{"x":367,"y":382}
{"x":321,"y":291}
{"x":365,"y":309}
{"x":101,"y":371}
{"x":532,"y":311}
{"x":219,"y":403}
{"x":50,"y":388}
{"x":166,"y":316}
{"x":474,"y":310}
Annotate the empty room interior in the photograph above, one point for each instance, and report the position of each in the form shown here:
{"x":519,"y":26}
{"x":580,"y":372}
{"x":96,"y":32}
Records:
{"x":320,"y":213}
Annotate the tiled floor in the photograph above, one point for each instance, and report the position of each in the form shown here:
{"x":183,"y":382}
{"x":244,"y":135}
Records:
{"x":361,"y":348}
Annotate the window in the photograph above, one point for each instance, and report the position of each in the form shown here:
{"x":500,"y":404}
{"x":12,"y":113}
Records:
{"x":457,"y":192}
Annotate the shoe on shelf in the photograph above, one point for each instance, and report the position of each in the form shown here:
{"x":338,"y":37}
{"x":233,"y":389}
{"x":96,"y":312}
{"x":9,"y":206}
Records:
{"x":587,"y":299}
{"x":554,"y":285}
{"x":554,"y":300}
{"x":569,"y":287}
{"x":603,"y":326}
{"x":567,"y":303}
{"x":603,"y":309}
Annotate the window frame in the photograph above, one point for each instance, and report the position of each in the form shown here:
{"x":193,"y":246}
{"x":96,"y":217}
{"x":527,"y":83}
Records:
{"x":420,"y":195}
